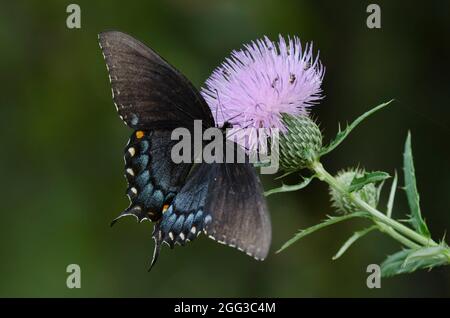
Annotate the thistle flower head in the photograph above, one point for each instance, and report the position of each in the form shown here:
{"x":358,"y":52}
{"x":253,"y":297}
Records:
{"x":256,"y":85}
{"x":369,"y":193}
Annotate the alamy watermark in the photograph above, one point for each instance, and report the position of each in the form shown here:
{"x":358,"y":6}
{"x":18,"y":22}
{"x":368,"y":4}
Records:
{"x":74,"y":278}
{"x":73,"y":20}
{"x":374,"y":279}
{"x":216,"y":145}
{"x":373,"y":20}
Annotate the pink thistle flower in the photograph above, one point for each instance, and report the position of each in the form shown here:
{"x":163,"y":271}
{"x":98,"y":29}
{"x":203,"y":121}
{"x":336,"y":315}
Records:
{"x":255,"y":86}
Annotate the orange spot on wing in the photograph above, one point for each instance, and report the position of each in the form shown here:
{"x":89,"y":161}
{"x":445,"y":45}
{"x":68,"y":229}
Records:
{"x":165,"y":207}
{"x":139,"y":134}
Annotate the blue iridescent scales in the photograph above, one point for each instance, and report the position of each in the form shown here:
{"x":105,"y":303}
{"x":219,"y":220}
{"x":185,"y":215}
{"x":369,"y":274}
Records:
{"x":146,"y":200}
{"x":179,"y":229}
{"x":151,"y":194}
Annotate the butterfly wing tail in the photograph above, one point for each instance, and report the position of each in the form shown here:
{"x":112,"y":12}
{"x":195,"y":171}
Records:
{"x":158,"y":242}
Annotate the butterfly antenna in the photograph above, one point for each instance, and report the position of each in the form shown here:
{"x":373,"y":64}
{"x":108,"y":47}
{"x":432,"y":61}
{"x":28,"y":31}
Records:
{"x":230,"y":119}
{"x":241,"y":128}
{"x":219,"y":106}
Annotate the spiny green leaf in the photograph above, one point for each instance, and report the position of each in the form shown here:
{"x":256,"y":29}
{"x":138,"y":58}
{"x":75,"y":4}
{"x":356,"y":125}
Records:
{"x":393,"y":264}
{"x":352,"y":239}
{"x":289,"y":188}
{"x":410,"y":260}
{"x":426,"y":252}
{"x":390,"y":203}
{"x":285,"y":175}
{"x":368,"y":177}
{"x":379,"y":189}
{"x":411,"y":190}
{"x":325,"y":223}
{"x":341,"y":135}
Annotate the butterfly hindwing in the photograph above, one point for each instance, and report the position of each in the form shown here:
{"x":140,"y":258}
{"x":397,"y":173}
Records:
{"x":147,"y":90}
{"x":184,"y":220}
{"x":223,"y":200}
{"x":153,"y":178}
{"x":238,"y":210}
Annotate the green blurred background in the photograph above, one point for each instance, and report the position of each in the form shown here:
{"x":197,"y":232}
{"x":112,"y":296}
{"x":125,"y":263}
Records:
{"x":62,"y":145}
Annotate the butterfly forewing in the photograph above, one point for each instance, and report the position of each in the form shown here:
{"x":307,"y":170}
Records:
{"x":147,"y":91}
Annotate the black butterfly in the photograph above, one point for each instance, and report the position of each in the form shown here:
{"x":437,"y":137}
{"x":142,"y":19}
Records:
{"x":223,"y":200}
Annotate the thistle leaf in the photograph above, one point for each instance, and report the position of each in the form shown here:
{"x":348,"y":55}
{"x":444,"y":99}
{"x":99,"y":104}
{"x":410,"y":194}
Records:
{"x":393,"y":264}
{"x":352,"y":239}
{"x":330,"y":221}
{"x":410,"y":260}
{"x":284,"y":175}
{"x":289,"y":188}
{"x":426,"y":252}
{"x":342,"y":134}
{"x":369,"y":177}
{"x":379,"y":190}
{"x":390,"y":203}
{"x":411,"y":190}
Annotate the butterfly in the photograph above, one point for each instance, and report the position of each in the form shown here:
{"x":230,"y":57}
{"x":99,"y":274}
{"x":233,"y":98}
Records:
{"x":223,"y":200}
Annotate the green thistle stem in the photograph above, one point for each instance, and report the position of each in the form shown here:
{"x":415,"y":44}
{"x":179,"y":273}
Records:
{"x":395,"y":229}
{"x":396,"y":236}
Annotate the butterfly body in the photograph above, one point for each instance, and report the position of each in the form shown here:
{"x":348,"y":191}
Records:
{"x":222,"y":200}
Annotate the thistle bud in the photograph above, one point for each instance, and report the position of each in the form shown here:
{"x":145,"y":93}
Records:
{"x":300,"y":144}
{"x":368,"y":193}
